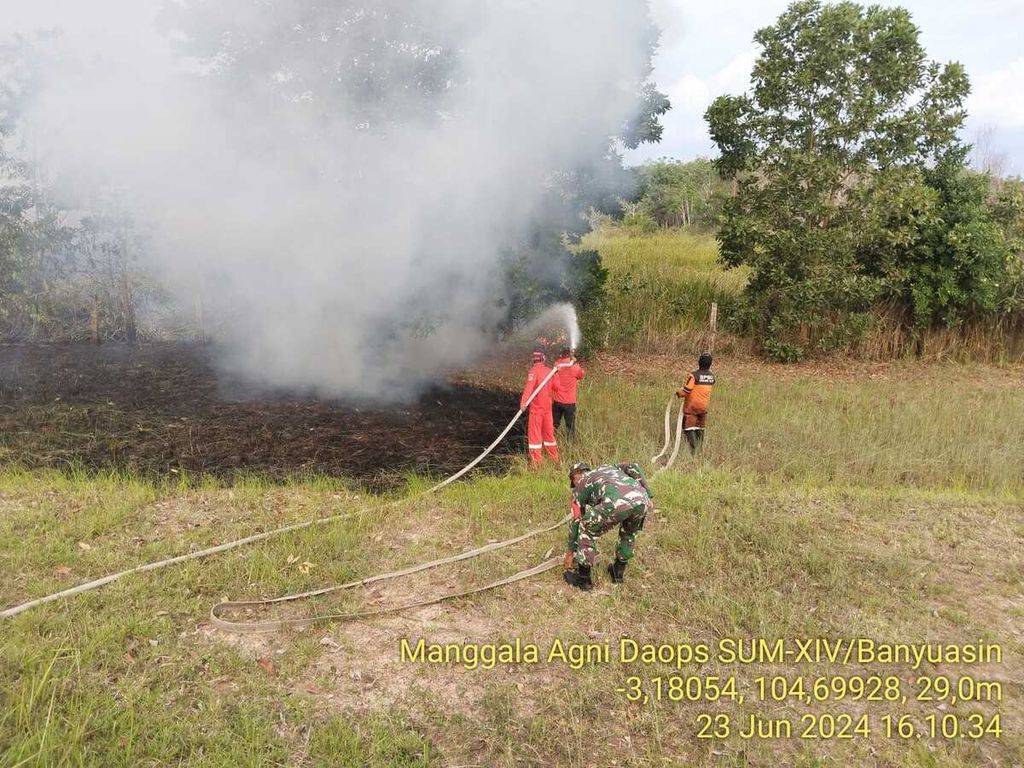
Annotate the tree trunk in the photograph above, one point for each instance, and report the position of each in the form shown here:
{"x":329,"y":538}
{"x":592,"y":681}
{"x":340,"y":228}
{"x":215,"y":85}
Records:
{"x":131,"y":333}
{"x":94,"y":321}
{"x":712,"y":327}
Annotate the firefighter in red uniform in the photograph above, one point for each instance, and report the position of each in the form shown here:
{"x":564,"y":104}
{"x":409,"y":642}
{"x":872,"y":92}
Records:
{"x":563,"y":390}
{"x":697,"y":394}
{"x":540,"y":431}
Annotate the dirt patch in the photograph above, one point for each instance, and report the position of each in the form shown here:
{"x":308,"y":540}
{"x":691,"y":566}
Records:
{"x":158,"y":410}
{"x":360,"y":668}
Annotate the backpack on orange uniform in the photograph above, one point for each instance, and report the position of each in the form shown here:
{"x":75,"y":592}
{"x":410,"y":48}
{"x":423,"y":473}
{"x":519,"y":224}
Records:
{"x":697,"y":394}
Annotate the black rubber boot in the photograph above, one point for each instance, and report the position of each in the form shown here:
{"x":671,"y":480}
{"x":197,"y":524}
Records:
{"x":698,"y":439}
{"x":616,"y":570}
{"x":579,"y":578}
{"x":691,"y":440}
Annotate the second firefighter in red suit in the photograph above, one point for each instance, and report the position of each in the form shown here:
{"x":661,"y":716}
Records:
{"x":563,"y":390}
{"x":540,"y":430}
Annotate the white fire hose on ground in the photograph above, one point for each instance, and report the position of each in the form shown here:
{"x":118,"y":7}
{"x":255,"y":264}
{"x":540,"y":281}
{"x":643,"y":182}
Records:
{"x":252,"y":627}
{"x":97,"y":583}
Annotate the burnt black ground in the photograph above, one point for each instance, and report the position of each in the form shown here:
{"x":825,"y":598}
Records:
{"x":158,"y":409}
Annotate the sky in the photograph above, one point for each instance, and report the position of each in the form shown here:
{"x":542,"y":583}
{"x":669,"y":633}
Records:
{"x":706,"y":50}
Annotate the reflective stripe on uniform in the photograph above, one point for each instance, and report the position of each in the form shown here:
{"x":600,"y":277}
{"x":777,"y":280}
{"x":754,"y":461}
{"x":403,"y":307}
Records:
{"x":550,"y":444}
{"x":533,"y":447}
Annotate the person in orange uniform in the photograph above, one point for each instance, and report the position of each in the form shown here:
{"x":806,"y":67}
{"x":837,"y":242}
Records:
{"x":563,"y":391}
{"x":697,"y":392}
{"x":540,"y":430}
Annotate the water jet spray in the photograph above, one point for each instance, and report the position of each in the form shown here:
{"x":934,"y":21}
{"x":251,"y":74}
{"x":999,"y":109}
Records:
{"x":555,"y":326}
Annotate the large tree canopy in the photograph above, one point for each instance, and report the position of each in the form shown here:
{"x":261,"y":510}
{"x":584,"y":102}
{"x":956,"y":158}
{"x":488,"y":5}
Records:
{"x":849,"y":176}
{"x":846,"y":84}
{"x":382,"y":63}
{"x":386,"y":64}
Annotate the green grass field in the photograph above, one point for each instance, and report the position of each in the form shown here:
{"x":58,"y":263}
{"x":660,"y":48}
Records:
{"x":879,"y":501}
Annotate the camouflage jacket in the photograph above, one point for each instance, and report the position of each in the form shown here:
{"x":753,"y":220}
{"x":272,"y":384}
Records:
{"x":613,"y":485}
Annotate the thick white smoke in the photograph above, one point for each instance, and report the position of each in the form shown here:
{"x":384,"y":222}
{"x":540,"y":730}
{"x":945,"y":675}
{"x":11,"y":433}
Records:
{"x":352,"y":252}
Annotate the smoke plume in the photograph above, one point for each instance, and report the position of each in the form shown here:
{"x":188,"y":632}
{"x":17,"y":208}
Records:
{"x":338,"y":182}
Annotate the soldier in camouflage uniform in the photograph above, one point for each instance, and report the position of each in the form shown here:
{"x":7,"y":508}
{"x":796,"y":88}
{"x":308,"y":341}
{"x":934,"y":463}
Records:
{"x":604,"y":498}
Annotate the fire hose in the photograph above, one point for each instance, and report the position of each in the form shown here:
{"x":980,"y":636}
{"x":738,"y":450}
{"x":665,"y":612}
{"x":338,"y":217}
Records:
{"x":668,"y":436}
{"x":668,"y":432}
{"x":217,"y":619}
{"x":258,"y":627}
{"x":103,"y":581}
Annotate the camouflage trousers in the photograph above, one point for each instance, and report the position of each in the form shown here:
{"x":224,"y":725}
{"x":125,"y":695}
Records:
{"x":599,"y":520}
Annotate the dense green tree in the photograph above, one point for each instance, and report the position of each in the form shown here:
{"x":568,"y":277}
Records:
{"x":383,"y":63}
{"x":16,"y":197}
{"x":60,"y":266}
{"x":934,"y":245}
{"x":1007,"y":206}
{"x":851,"y":187}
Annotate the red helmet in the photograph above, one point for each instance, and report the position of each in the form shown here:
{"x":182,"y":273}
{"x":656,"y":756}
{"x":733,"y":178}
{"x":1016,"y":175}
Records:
{"x":538,"y":356}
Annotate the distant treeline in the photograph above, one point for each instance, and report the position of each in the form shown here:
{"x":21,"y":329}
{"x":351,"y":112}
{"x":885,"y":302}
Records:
{"x":672,"y":193}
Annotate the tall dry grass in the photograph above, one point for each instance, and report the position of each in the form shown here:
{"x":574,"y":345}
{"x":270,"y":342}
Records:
{"x":991,"y":341}
{"x":660,"y":288}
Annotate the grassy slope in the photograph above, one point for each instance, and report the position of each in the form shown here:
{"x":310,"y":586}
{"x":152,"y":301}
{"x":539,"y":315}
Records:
{"x":882,"y":501}
{"x":661,"y":286}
